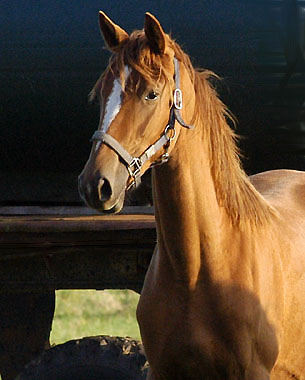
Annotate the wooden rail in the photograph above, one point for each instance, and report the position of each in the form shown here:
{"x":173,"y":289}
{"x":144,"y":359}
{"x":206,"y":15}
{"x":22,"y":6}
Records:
{"x":44,"y":249}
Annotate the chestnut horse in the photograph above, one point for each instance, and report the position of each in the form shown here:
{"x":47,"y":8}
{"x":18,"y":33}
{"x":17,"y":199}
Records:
{"x":224,"y":295}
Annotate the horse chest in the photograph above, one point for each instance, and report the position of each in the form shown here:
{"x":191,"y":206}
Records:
{"x":201,"y":338}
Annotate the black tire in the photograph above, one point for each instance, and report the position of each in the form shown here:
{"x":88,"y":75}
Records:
{"x":91,"y":358}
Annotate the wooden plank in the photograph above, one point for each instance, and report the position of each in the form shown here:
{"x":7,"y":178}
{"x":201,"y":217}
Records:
{"x":15,"y":243}
{"x":81,"y":268}
{"x":68,"y":210}
{"x":52,"y":223}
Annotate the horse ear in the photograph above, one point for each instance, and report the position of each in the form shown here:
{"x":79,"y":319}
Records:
{"x":112,"y":33}
{"x":155,"y":34}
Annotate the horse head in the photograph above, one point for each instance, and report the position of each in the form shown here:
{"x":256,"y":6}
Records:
{"x":140,"y":102}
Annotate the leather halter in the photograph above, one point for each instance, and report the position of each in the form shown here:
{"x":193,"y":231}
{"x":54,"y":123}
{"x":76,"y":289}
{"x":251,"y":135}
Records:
{"x":134,"y":164}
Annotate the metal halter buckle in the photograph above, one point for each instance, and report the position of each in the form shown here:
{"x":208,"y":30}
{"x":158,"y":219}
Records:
{"x":134,"y":167}
{"x":178,"y":99}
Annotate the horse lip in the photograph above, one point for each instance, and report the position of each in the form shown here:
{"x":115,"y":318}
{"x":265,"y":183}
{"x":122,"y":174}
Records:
{"x":113,"y":210}
{"x":117,"y":207}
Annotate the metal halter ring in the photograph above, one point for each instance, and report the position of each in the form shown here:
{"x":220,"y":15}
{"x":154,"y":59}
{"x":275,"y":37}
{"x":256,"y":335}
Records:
{"x":178,"y":99}
{"x":169,"y":127}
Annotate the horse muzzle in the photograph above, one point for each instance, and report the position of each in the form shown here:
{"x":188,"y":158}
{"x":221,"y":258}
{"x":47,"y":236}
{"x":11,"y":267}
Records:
{"x":100,"y":193}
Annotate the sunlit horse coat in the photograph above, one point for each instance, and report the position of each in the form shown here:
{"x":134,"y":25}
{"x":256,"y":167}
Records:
{"x":224,"y":296}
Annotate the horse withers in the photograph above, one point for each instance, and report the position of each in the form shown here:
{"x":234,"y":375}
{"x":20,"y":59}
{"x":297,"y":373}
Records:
{"x":224,"y":295}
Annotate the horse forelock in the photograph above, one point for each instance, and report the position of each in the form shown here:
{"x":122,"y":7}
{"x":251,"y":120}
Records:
{"x":147,"y":67}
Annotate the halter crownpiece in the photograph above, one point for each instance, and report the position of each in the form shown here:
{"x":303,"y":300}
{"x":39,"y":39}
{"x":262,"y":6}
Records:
{"x":134,"y":164}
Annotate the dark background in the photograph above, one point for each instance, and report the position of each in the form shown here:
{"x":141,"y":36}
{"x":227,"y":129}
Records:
{"x":51,"y":54}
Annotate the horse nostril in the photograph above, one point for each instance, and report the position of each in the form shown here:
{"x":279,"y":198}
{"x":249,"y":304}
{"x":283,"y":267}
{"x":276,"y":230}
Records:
{"x":104,"y":190}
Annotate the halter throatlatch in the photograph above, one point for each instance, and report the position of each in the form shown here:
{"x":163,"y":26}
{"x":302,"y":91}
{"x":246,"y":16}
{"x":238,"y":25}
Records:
{"x":134,"y":164}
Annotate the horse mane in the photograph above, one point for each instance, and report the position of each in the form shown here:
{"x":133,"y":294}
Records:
{"x":234,"y":190}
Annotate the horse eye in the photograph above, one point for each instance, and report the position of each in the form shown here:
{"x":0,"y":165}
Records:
{"x":152,"y":95}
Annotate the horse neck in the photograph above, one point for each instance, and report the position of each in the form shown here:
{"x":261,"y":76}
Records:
{"x":189,"y":219}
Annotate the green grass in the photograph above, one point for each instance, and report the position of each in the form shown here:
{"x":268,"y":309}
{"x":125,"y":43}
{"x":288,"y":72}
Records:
{"x":82,"y":313}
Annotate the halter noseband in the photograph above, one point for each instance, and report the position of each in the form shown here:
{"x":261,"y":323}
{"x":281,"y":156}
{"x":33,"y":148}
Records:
{"x":134,"y":164}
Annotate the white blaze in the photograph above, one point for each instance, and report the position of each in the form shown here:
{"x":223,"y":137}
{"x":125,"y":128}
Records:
{"x":113,"y":104}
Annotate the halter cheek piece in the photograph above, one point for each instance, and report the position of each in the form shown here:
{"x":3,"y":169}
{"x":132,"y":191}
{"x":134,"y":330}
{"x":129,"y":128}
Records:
{"x":134,"y":164}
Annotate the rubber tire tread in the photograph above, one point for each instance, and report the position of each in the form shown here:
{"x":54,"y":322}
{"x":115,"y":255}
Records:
{"x":91,"y":358}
